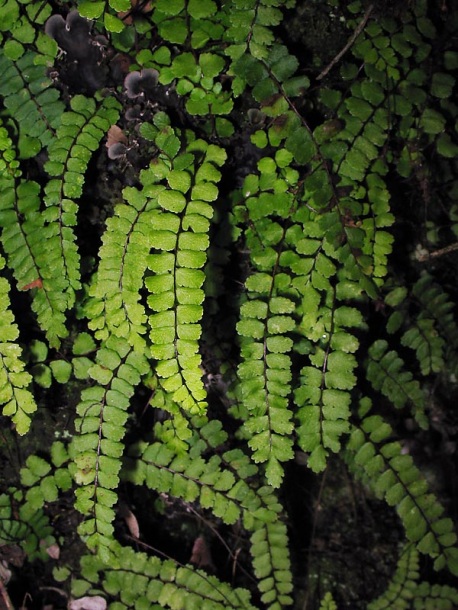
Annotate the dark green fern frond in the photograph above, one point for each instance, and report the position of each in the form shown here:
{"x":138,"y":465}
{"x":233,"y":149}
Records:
{"x":21,"y":523}
{"x":43,"y":482}
{"x":403,"y":586}
{"x":248,"y":26}
{"x":439,"y":343}
{"x":432,"y":332}
{"x":405,"y":592}
{"x":429,"y":597}
{"x":179,"y":21}
{"x":386,"y":372}
{"x":393,"y":476}
{"x":31,"y":102}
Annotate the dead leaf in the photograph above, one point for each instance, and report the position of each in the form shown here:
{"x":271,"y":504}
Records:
{"x":115,"y":134}
{"x":201,"y":555}
{"x":53,"y":551}
{"x":137,"y":7}
{"x":35,"y":284}
{"x":130,"y":520}
{"x":88,"y":603}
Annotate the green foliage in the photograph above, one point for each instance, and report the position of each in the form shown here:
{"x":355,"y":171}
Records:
{"x":26,"y":526}
{"x":237,"y":277}
{"x":17,"y":400}
{"x":328,"y":603}
{"x":393,"y":476}
{"x":143,"y":581}
{"x":385,"y":371}
{"x":404,"y":590}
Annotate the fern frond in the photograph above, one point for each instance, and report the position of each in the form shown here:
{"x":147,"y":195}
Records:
{"x":31,"y":102}
{"x":96,"y":451}
{"x":422,"y":336}
{"x":44,"y":483}
{"x":385,"y":370}
{"x":405,"y":592}
{"x":328,"y":603}
{"x":432,"y":331}
{"x":437,"y":315}
{"x":22,"y":523}
{"x":403,"y":586}
{"x":149,"y":582}
{"x":393,"y":476}
{"x":248,"y":27}
{"x":200,"y":21}
{"x":17,"y":400}
{"x":76,"y":140}
{"x":22,"y":238}
{"x":221,"y":484}
{"x":179,"y":255}
{"x":429,"y":596}
{"x":114,"y":306}
{"x":266,"y":321}
{"x":23,"y":229}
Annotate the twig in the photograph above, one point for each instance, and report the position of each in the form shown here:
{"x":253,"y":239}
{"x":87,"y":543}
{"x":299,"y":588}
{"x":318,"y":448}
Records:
{"x":424,"y":257}
{"x":5,"y":602}
{"x":353,"y":37}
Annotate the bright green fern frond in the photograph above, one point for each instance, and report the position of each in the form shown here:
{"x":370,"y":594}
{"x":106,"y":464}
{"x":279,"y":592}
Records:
{"x":271,"y":564}
{"x":115,"y":306}
{"x":22,"y":239}
{"x":149,"y":582}
{"x":77,"y":138}
{"x":328,"y":603}
{"x":180,"y":241}
{"x":96,"y":451}
{"x":220,"y":484}
{"x":393,"y":476}
{"x":23,"y":231}
{"x":385,"y":370}
{"x":266,"y":321}
{"x":18,"y":402}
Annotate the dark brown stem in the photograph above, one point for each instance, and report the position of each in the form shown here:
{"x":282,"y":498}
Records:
{"x":352,"y":39}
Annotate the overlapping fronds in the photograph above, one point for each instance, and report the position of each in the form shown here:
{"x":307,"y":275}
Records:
{"x":221,"y":485}
{"x":246,"y":290}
